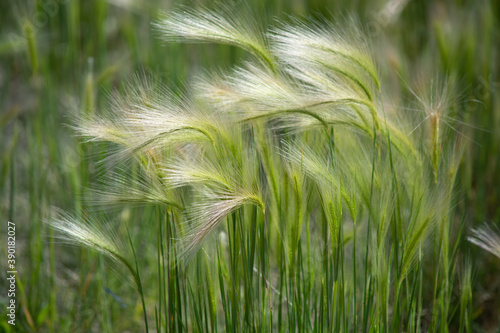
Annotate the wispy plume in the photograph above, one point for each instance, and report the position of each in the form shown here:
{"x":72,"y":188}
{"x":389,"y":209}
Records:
{"x":207,"y":213}
{"x":222,"y":26}
{"x":91,"y":235}
{"x":148,"y":118}
{"x":254,"y":86}
{"x":308,"y":46}
{"x":222,"y":185}
{"x":118,"y":189}
{"x":486,"y":238}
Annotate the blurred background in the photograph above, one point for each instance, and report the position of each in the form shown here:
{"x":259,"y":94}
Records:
{"x":62,"y":58}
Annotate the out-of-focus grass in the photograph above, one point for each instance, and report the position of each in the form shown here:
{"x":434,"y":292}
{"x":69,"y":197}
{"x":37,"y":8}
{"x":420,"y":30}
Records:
{"x":58,"y":58}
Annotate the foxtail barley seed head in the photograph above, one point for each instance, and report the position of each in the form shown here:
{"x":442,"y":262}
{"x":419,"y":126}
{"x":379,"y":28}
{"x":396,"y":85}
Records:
{"x":486,"y":238}
{"x":92,"y":235}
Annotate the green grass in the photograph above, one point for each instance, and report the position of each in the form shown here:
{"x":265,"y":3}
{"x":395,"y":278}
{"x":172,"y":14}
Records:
{"x":324,"y":175}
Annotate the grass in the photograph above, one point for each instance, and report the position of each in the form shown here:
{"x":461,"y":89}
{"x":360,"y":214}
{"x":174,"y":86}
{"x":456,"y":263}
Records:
{"x":310,"y":174}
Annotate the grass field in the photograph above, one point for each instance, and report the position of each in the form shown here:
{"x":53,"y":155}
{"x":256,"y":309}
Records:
{"x":323,"y":166}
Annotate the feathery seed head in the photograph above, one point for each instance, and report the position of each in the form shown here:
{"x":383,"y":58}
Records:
{"x":436,"y":104}
{"x":324,"y":46}
{"x":205,"y":216}
{"x":222,"y":26}
{"x":150,"y":118}
{"x":486,"y":238}
{"x":91,"y":236}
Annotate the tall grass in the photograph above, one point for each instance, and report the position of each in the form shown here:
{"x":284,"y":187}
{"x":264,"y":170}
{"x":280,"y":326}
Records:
{"x":326,"y":181}
{"x":297,"y":135}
